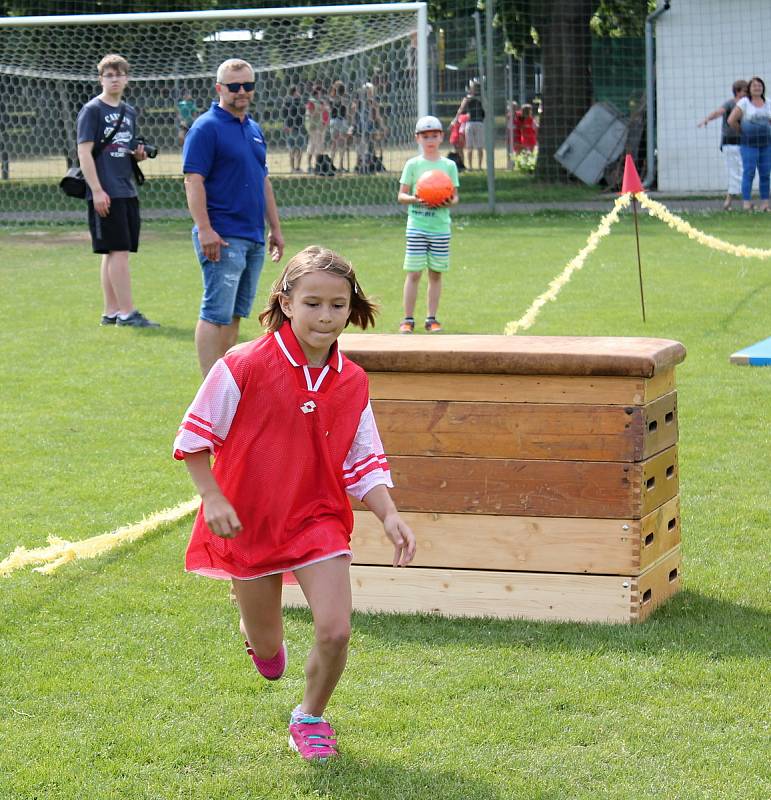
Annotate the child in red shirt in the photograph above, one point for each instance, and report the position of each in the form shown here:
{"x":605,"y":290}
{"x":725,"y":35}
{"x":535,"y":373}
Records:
{"x":289,"y":420}
{"x":458,"y":135}
{"x":525,"y":129}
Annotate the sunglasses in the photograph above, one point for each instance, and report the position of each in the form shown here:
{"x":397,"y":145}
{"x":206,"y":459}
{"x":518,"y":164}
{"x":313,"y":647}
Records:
{"x":236,"y":87}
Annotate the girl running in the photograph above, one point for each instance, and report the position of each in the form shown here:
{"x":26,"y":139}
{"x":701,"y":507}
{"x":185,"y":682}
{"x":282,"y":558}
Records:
{"x":289,"y":420}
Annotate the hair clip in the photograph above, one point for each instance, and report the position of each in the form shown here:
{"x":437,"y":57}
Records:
{"x":355,"y":288}
{"x":285,"y":286}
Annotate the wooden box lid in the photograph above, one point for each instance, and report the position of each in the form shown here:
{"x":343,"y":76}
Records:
{"x":512,"y":355}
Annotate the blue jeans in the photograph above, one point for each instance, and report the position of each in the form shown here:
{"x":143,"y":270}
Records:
{"x":230,"y":284}
{"x":755,"y":158}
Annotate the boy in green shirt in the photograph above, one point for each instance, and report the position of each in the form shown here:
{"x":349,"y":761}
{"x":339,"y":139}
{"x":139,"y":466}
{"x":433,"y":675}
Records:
{"x":428,"y":227}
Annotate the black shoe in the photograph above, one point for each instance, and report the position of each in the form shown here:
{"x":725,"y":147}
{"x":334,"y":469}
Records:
{"x":108,"y":320}
{"x":136,"y":319}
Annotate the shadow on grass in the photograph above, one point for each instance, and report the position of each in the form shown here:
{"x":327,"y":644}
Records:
{"x":367,"y":780}
{"x":726,"y":321}
{"x":170,"y":332}
{"x":689,"y":623}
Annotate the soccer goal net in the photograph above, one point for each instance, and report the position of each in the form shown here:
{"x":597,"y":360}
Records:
{"x":347,"y":80}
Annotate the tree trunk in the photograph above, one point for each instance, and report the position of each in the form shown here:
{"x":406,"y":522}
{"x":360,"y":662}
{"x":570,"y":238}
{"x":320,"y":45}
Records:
{"x":566,"y":52}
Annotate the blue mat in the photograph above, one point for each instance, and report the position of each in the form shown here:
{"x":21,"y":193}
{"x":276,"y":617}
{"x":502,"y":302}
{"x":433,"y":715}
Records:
{"x":757,"y":355}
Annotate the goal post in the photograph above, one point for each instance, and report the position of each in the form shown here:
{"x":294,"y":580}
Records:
{"x":368,"y":63}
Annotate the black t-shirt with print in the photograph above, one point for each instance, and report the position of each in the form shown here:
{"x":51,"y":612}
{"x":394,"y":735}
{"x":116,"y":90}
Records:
{"x":113,"y":165}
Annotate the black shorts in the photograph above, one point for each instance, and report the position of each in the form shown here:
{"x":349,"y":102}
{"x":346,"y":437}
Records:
{"x":119,"y":230}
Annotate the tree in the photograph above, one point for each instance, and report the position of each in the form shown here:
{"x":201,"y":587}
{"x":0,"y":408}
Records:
{"x":615,"y":18}
{"x":563,"y":31}
{"x":566,"y":50}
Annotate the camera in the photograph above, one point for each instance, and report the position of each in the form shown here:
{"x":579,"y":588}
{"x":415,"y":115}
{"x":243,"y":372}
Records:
{"x":150,"y":149}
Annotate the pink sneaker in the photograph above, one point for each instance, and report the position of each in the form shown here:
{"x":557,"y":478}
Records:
{"x":313,"y":738}
{"x":272,"y":668}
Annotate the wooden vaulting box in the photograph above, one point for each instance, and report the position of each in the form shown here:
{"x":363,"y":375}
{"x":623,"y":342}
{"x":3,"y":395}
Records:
{"x":539,"y":474}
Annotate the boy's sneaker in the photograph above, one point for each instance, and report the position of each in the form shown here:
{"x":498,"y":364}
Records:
{"x":136,"y":319}
{"x":312,"y":737}
{"x":407,"y":326}
{"x":108,"y":320}
{"x":272,"y":668}
{"x":433,"y":325}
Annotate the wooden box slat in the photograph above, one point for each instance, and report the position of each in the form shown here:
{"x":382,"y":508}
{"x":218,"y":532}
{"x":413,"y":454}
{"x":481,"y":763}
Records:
{"x":528,"y":595}
{"x":464,"y":593}
{"x":516,"y":487}
{"x":656,"y":585}
{"x":659,"y":532}
{"x":660,"y":479}
{"x":531,"y":544}
{"x":607,"y":390}
{"x":660,"y":428}
{"x":566,"y":432}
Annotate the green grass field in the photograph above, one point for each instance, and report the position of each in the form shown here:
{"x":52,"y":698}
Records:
{"x":122,"y":678}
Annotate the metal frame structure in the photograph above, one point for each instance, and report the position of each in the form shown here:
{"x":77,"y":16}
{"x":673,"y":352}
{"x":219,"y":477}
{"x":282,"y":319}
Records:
{"x":256,"y":13}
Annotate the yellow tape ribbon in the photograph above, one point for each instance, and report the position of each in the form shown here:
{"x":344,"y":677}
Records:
{"x":602,"y":230}
{"x":655,"y":209}
{"x":661,"y":212}
{"x":60,"y":551}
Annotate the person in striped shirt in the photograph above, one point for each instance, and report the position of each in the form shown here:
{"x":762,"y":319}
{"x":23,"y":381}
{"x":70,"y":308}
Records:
{"x":428,"y":227}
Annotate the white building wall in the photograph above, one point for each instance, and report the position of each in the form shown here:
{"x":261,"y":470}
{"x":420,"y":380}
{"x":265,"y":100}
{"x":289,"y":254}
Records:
{"x":702,"y":47}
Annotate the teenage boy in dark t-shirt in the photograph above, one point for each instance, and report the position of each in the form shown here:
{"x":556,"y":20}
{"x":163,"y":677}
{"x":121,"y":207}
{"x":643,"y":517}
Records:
{"x":113,"y":207}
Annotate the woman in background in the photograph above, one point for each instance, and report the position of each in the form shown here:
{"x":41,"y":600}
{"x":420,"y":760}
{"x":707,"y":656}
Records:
{"x":752,"y":116}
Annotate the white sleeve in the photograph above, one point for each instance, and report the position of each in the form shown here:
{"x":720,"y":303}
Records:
{"x":207,"y":422}
{"x":365,"y":465}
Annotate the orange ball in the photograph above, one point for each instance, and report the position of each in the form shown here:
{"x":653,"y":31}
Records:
{"x":434,"y":187}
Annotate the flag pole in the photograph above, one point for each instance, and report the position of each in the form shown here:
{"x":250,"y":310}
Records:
{"x":639,"y":261}
{"x":631,"y":184}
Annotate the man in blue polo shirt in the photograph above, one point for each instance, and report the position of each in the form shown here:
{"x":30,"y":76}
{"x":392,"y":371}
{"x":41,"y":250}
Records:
{"x":229,"y":195}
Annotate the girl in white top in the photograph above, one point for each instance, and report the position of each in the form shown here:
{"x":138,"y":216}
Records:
{"x":752,"y":116}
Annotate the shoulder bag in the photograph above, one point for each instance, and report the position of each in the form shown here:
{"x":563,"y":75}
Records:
{"x":73,"y":184}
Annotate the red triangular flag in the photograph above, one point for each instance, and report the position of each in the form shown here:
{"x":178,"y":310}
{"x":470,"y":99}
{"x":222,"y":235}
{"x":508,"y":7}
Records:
{"x":631,"y":183}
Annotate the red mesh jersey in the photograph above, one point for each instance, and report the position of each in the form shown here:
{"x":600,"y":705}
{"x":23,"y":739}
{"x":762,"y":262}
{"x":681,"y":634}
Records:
{"x":289,"y":441}
{"x":525,"y":133}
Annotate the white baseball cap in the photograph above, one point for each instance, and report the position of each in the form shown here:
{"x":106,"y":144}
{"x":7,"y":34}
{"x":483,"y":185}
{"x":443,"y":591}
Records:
{"x":428,"y":124}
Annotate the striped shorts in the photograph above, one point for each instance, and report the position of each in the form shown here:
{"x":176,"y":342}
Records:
{"x":430,"y":250}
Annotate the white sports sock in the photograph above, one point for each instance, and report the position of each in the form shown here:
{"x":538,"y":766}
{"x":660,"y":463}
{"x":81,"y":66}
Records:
{"x":298,"y":713}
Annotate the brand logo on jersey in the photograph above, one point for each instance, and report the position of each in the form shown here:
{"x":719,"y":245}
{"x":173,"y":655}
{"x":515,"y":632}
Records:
{"x":306,"y":408}
{"x":258,"y":140}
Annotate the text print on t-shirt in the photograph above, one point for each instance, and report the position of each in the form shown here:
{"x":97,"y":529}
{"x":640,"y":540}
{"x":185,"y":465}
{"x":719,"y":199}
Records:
{"x":121,"y":143}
